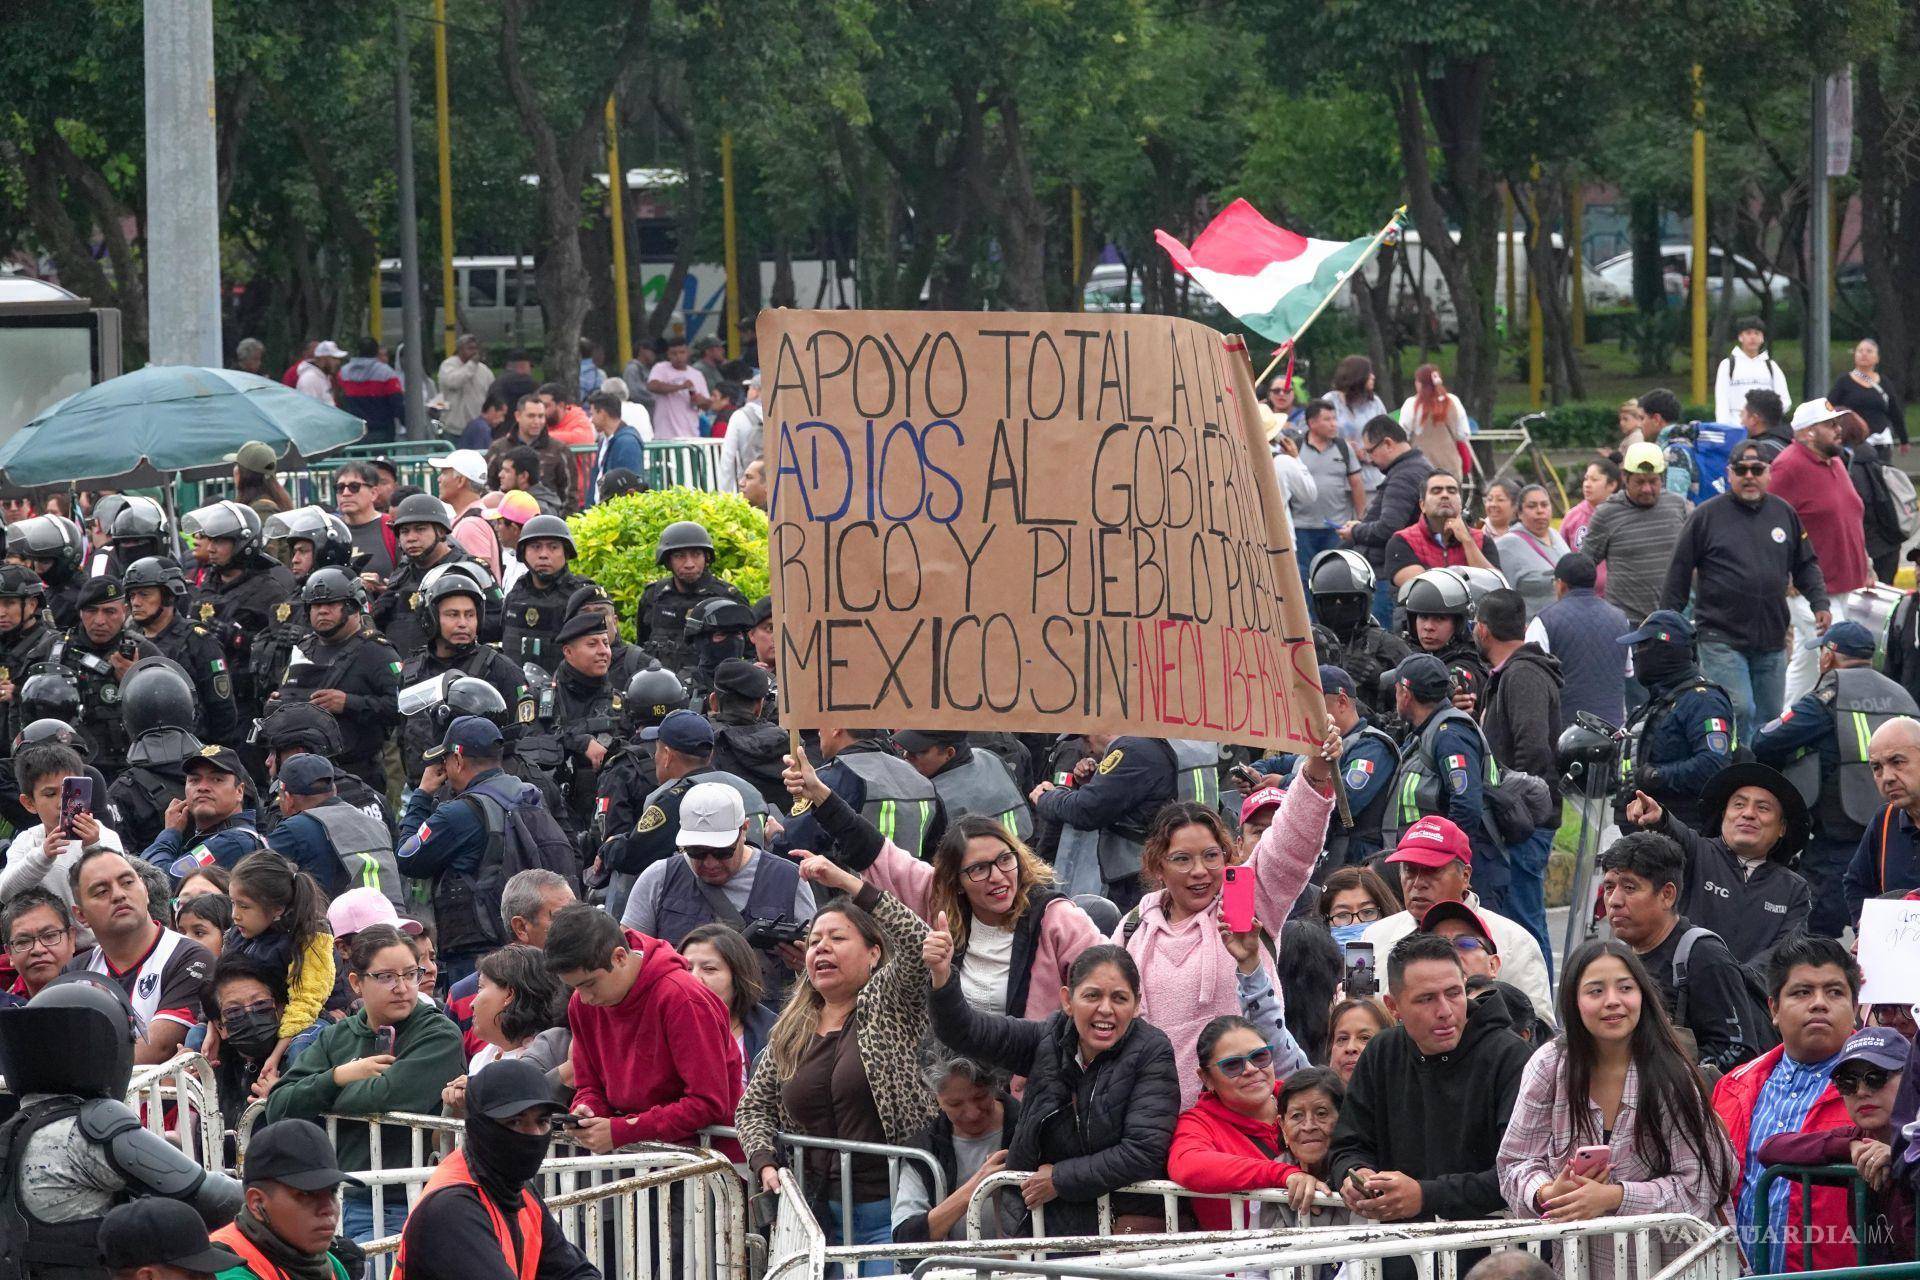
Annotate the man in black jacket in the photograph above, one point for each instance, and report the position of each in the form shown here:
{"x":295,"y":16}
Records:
{"x":1521,"y":720}
{"x":1740,"y":883}
{"x":1429,"y":1101}
{"x":1396,"y":503}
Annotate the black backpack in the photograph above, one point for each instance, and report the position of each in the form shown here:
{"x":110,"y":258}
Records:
{"x":518,"y":839}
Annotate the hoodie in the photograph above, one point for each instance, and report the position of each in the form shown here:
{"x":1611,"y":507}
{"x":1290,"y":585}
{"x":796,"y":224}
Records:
{"x":1740,"y":373}
{"x":1521,"y":715}
{"x":663,"y":1062}
{"x":754,"y":751}
{"x":370,"y":390}
{"x":1438,"y":1118}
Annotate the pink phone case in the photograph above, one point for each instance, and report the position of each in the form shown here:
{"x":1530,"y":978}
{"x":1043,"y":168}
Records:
{"x":1236,"y":899}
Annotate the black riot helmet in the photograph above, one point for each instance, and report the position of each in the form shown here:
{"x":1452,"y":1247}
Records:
{"x":17,"y":582}
{"x":53,"y":731}
{"x":1341,"y":583}
{"x":50,"y":692}
{"x":1586,"y":753}
{"x":468,"y":696}
{"x":293,"y":727}
{"x":681,"y":535}
{"x":139,"y":528}
{"x":333,"y":585}
{"x":104,"y":509}
{"x":654,"y":694}
{"x":54,"y":539}
{"x":156,"y":694}
{"x":549,"y":527}
{"x":75,"y":1039}
{"x":718,"y":628}
{"x":155,"y":571}
{"x":421,"y":508}
{"x":226,"y":519}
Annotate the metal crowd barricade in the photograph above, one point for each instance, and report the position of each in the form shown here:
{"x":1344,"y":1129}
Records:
{"x":692,"y":464}
{"x":1241,"y":1213}
{"x":1806,"y":1177}
{"x":846,"y":1149}
{"x":178,"y":1100}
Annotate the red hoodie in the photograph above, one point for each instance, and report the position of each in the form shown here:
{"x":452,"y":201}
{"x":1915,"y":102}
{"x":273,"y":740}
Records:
{"x":1216,"y":1149}
{"x":663,"y":1062}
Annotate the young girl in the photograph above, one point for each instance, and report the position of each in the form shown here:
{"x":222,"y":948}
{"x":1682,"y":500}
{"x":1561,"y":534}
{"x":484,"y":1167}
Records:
{"x":205,"y":918}
{"x":279,"y":922}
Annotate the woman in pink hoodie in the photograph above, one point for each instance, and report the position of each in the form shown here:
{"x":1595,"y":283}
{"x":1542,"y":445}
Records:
{"x":1187,"y":975}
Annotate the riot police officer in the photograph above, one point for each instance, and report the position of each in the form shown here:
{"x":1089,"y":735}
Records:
{"x":968,"y":779}
{"x":685,"y":550}
{"x":98,"y":652}
{"x":537,"y":606}
{"x":1684,"y":734}
{"x":154,"y":586}
{"x":629,"y":775}
{"x":157,"y":699}
{"x":293,"y":728}
{"x":1369,"y":758}
{"x":745,"y":742}
{"x":139,"y":529}
{"x":1445,"y":768}
{"x":421,"y":524}
{"x":51,"y":546}
{"x":241,"y":594}
{"x":25,"y":638}
{"x":581,"y":711}
{"x":468,"y":696}
{"x":453,"y":604}
{"x":1820,"y":743}
{"x":313,"y":539}
{"x":716,"y":632}
{"x":1439,"y":612}
{"x":68,"y":1058}
{"x":628,"y":659}
{"x":1341,"y":583}
{"x":351,"y":672}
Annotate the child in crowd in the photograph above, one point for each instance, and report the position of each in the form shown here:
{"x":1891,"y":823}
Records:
{"x":278,"y":921}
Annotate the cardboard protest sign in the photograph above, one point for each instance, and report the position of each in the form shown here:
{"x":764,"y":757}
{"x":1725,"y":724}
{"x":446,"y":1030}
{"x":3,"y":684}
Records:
{"x":1889,"y":941}
{"x":1029,"y":522}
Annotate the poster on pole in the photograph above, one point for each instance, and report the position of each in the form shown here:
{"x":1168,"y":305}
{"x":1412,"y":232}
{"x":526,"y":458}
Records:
{"x":1048,"y":523}
{"x":1889,"y":939}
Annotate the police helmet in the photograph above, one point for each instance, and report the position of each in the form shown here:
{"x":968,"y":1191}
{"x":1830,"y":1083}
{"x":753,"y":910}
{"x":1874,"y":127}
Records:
{"x":226,"y":519}
{"x":332,"y":540}
{"x":1340,"y":572}
{"x":17,"y":582}
{"x":718,"y":614}
{"x":55,"y":539}
{"x":104,"y":509}
{"x":681,"y":535}
{"x":468,"y":696}
{"x":1437,"y":592}
{"x":472,"y":570}
{"x":301,"y":726}
{"x":49,"y":692}
{"x":155,"y":571}
{"x":653,"y":693}
{"x":421,"y":508}
{"x":74,"y":1038}
{"x":139,"y":520}
{"x":549,"y":527}
{"x":51,"y":730}
{"x":1586,"y":754}
{"x":1479,"y":581}
{"x":333,"y":585}
{"x":156,"y":694}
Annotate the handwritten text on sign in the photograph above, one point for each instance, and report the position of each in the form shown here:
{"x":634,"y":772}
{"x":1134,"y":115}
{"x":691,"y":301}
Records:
{"x":1889,"y":941}
{"x":1037,"y":522}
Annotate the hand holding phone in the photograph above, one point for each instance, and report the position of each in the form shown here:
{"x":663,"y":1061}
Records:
{"x":1236,"y":899}
{"x":383,"y":1041}
{"x":1589,"y":1162}
{"x":76,"y":797}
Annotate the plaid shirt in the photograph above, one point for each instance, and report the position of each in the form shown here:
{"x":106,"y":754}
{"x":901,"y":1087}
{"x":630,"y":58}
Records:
{"x":1540,"y":1140}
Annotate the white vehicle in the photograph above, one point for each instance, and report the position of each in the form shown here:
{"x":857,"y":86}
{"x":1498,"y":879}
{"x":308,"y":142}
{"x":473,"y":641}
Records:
{"x":1611,"y":283}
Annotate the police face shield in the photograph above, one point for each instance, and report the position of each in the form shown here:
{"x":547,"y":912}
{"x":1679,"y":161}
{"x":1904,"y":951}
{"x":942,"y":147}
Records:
{"x":417,"y":699}
{"x":1342,"y":613}
{"x":76,"y":1037}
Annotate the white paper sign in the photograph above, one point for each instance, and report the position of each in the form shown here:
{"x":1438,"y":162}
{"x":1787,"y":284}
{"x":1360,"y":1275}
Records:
{"x":1890,"y":951}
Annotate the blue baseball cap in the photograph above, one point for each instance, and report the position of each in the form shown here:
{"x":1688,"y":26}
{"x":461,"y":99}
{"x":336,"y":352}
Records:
{"x":1425,"y":676}
{"x":1335,"y":680}
{"x":1850,"y":638}
{"x":307,"y":775}
{"x":1882,"y":1047}
{"x":1663,"y":625}
{"x":683,"y":731}
{"x":467,"y":736}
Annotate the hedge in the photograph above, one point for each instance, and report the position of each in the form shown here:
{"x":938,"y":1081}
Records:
{"x":616,"y":541}
{"x":1590,"y":425}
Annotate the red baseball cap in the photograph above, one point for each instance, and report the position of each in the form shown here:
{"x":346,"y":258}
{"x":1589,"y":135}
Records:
{"x":1432,"y":841}
{"x":1264,"y":798}
{"x":1453,"y":909}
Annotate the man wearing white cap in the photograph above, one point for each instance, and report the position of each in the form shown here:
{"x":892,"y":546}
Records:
{"x":718,"y":877}
{"x":314,"y":377}
{"x":462,"y":483}
{"x":1811,"y":476}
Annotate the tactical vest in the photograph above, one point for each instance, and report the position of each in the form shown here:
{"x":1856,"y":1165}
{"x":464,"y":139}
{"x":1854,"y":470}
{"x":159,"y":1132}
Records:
{"x":982,"y":785}
{"x":100,"y":715}
{"x":533,"y":618}
{"x":29,"y":1248}
{"x":684,"y":905}
{"x":365,"y":849}
{"x":1641,"y":724}
{"x":1416,"y":784}
{"x":756,"y":804}
{"x":1196,"y":770}
{"x":466,"y":905}
{"x":900,"y":803}
{"x":1116,"y":850}
{"x":1365,"y":836}
{"x":1863,"y":700}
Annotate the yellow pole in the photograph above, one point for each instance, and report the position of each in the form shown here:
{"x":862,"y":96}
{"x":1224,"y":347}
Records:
{"x":1536,"y":339}
{"x":1697,"y":286}
{"x":450,"y":304}
{"x":731,"y":229}
{"x":1079,"y":294}
{"x":616,"y":201}
{"x":1576,"y":200}
{"x":1513,"y":310}
{"x":373,"y":301}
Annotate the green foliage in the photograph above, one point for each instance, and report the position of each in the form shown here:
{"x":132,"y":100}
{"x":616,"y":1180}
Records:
{"x":1589,"y":425}
{"x":616,"y":541}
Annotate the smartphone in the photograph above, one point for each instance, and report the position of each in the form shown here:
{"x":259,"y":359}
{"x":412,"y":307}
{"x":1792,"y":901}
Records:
{"x":1358,"y":1183}
{"x":1236,"y":899}
{"x":1360,"y":974}
{"x":1587,"y":1162}
{"x":383,"y":1041}
{"x":76,"y":797}
{"x":1246,"y":777}
{"x":560,"y":1120}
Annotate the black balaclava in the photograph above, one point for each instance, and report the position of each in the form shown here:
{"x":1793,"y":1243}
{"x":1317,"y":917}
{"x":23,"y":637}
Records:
{"x":503,"y":1160}
{"x":1659,"y":662}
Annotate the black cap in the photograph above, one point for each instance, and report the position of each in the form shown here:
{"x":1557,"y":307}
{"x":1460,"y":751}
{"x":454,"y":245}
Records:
{"x":100,"y":590}
{"x":686,"y":731}
{"x":296,"y":1153}
{"x":1424,"y":675}
{"x":467,"y":736}
{"x":307,"y":774}
{"x":762,"y":610}
{"x":154,"y":1232}
{"x":592,"y":593}
{"x":224,"y":759}
{"x":581,"y":624}
{"x":743,"y":679}
{"x":914,"y":741}
{"x":505,"y":1087}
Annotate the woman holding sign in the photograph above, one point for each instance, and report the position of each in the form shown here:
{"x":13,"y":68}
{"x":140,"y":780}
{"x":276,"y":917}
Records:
{"x":1187,"y":975}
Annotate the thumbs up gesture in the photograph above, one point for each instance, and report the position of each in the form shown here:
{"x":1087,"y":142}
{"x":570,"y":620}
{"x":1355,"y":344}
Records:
{"x":936,"y":952}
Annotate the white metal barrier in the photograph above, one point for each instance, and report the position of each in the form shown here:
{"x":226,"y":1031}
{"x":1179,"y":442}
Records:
{"x":845,"y":1149}
{"x":179,"y":1100}
{"x":1242,"y":1206}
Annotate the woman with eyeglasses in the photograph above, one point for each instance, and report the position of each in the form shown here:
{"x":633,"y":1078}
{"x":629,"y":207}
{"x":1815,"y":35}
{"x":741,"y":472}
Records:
{"x":1353,"y":898}
{"x":1235,"y":1137}
{"x":1531,"y":548}
{"x":1613,"y":1118}
{"x":1188,"y":974}
{"x":245,"y":999}
{"x":396,"y":1053}
{"x":1014,"y":934}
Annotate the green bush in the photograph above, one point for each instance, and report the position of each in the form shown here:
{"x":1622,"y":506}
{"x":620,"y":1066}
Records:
{"x":1589,"y":425}
{"x":616,"y":541}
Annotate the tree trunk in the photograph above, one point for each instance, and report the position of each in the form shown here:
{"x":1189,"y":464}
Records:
{"x":1023,"y":222}
{"x":1886,"y":236}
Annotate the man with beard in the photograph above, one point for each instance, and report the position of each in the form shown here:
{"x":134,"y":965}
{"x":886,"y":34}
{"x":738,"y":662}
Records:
{"x":686,"y":551}
{"x":240,"y":595}
{"x":454,"y":605}
{"x":153,"y":587}
{"x":98,"y":652}
{"x":581,"y":710}
{"x":351,"y":672}
{"x":1440,"y":538}
{"x":537,"y":605}
{"x":25,"y":638}
{"x":420,"y":524}
{"x":1684,"y":733}
{"x":478,"y":1217}
{"x":1346,"y":635}
{"x":745,"y":742}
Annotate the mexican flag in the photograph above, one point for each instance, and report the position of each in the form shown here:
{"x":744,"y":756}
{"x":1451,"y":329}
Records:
{"x":1271,"y":279}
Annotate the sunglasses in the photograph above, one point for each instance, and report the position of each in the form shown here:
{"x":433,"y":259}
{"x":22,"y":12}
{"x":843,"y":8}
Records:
{"x":1748,"y":468}
{"x":1855,"y":1081}
{"x":705,"y":854}
{"x":351,"y":486}
{"x":1238,"y":1065}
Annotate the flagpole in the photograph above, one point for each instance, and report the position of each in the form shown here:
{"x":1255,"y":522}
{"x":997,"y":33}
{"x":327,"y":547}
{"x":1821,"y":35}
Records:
{"x":1365,"y":255}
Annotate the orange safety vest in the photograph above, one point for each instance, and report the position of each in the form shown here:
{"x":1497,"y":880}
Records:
{"x":453,"y":1172}
{"x":257,"y":1262}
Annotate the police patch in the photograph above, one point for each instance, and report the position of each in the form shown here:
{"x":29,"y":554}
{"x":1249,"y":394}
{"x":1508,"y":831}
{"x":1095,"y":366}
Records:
{"x":652,"y":820}
{"x":526,"y":711}
{"x":1111,"y":763}
{"x":1718,"y":744}
{"x":207,"y":612}
{"x":413,"y":601}
{"x":109,"y":693}
{"x":533,"y":617}
{"x":281,"y":612}
{"x":1457,"y":779}
{"x":1779,"y":534}
{"x":1358,"y":771}
{"x":223,"y":686}
{"x":217,"y":665}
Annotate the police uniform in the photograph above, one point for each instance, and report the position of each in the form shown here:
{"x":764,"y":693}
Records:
{"x":273,"y":648}
{"x":1685,"y":733}
{"x":396,"y":611}
{"x":882,"y":788}
{"x":744,"y":743}
{"x":20,"y":649}
{"x":101,"y":718}
{"x":295,"y":727}
{"x":366,"y":669}
{"x":140,"y":794}
{"x":661,"y":623}
{"x":224,"y":843}
{"x":575,"y":710}
{"x":1368,"y":761}
{"x":1368,"y":657}
{"x":204,"y":659}
{"x":534,"y":616}
{"x":236,"y":611}
{"x":1820,"y":743}
{"x":1103,"y":821}
{"x":1445,"y":768}
{"x":974,"y":781}
{"x":482,"y":662}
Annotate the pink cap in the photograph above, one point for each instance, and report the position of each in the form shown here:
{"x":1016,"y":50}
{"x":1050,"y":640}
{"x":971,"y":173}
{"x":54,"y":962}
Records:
{"x":518,"y":506}
{"x":1264,"y":798}
{"x":357,"y":909}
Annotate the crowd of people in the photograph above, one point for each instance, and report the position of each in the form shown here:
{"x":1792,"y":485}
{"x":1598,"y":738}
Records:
{"x":376,"y":809}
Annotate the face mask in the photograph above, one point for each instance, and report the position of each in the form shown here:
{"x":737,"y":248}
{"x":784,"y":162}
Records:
{"x":504,"y":1159}
{"x":1345,"y":933}
{"x":253,"y":1034}
{"x":1657,"y":662}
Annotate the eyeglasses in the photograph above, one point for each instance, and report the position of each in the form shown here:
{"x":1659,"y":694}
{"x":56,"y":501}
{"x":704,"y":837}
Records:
{"x":1365,"y":915}
{"x":1870,"y":1079}
{"x":349,"y":486}
{"x":1467,"y":942}
{"x":705,"y":854}
{"x":1238,"y":1065}
{"x":395,"y":979}
{"x":46,"y":938}
{"x":1209,"y":858}
{"x":1748,"y":468}
{"x":235,"y":1012}
{"x":1008,"y":862}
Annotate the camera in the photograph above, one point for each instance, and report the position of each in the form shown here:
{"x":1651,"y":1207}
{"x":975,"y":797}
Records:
{"x":765,"y":935}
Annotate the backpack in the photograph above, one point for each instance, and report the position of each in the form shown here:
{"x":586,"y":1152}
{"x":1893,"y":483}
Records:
{"x":1517,"y":803}
{"x":1697,"y":454}
{"x":519,"y":839}
{"x":1906,"y":503}
{"x":1755,"y":990}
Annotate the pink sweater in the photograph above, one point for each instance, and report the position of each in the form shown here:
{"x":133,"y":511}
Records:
{"x":1187,"y":976}
{"x":1065,"y":930}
